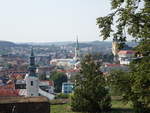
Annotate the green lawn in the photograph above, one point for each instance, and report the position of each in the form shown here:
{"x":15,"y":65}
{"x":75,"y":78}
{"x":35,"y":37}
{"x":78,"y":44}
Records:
{"x":120,"y":104}
{"x":65,"y":108}
{"x":117,"y":107}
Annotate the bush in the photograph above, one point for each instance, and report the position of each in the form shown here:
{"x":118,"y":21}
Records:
{"x":62,"y":96}
{"x":58,"y":78}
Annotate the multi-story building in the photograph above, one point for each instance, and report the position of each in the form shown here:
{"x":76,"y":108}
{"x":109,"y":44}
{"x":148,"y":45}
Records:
{"x":126,"y":56}
{"x":67,"y":87}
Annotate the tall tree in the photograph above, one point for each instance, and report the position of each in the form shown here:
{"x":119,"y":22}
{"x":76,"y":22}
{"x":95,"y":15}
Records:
{"x":58,"y":78}
{"x":133,"y":86}
{"x":90,"y":93}
{"x":42,"y":76}
{"x":130,"y":18}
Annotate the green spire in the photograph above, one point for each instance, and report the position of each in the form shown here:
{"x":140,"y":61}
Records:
{"x":32,"y":53}
{"x":32,"y":58}
{"x":32,"y":67}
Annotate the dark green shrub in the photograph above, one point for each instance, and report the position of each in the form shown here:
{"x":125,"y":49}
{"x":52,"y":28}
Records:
{"x":90,"y":93}
{"x":62,"y":96}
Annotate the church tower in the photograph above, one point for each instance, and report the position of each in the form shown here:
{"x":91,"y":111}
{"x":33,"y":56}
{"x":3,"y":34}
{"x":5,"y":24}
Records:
{"x":77,"y":51}
{"x":115,"y":49}
{"x":32,"y":82}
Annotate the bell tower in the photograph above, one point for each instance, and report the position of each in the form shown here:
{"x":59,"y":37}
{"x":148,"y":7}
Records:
{"x":115,"y":49}
{"x":32,"y":82}
{"x":77,"y":51}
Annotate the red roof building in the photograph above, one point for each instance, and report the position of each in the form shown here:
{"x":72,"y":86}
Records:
{"x":9,"y":92}
{"x":126,"y":52}
{"x":126,"y":56}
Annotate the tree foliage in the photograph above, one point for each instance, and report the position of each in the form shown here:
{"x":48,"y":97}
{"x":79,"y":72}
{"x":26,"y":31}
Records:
{"x":134,"y":86}
{"x":42,"y":76}
{"x":129,"y":18}
{"x":58,"y":78}
{"x":90,"y":93}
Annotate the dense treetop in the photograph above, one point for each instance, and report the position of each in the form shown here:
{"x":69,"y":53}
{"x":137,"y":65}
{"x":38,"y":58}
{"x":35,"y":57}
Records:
{"x":129,"y":18}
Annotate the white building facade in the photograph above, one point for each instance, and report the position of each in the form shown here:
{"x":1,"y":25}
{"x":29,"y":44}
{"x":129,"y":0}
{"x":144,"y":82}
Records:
{"x":126,"y":56}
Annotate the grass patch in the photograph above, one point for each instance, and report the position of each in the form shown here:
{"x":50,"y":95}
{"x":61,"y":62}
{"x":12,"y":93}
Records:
{"x":120,"y":104}
{"x":59,"y":101}
{"x":117,"y":107}
{"x":65,"y":108}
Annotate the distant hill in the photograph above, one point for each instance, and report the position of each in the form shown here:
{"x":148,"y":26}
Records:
{"x":99,"y":44}
{"x":6,"y":44}
{"x":70,"y":43}
{"x":47,"y":43}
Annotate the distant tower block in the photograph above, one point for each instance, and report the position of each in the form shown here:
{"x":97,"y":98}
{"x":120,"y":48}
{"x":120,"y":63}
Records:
{"x":115,"y":49}
{"x":32,"y":81}
{"x":77,"y":51}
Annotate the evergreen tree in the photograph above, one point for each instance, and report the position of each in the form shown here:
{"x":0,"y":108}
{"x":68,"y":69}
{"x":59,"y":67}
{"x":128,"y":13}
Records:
{"x":90,"y":93}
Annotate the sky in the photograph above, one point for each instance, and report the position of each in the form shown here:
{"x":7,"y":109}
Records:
{"x":51,"y":20}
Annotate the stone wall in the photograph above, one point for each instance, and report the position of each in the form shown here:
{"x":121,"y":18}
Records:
{"x":25,"y":106}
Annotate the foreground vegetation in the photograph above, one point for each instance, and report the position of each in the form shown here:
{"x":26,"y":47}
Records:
{"x":117,"y":107}
{"x":130,"y":18}
{"x":90,"y":93}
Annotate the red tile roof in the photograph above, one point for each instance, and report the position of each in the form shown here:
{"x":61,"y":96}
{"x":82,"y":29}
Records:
{"x":9,"y":92}
{"x":17,"y":76}
{"x":8,"y":86}
{"x":50,"y":82}
{"x":126,"y":52}
{"x":112,"y":65}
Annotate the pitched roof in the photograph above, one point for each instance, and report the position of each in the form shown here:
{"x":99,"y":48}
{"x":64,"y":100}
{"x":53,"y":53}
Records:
{"x":50,"y":82}
{"x":126,"y":52}
{"x":8,"y":86}
{"x":9,"y":92}
{"x":112,"y":65}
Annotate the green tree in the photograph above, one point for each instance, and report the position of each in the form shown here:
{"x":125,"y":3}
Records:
{"x":108,"y":57}
{"x":42,"y":76}
{"x":130,"y":18}
{"x":140,"y":84}
{"x":90,"y":93}
{"x":133,"y":86}
{"x":58,"y":78}
{"x":9,"y":66}
{"x":119,"y":83}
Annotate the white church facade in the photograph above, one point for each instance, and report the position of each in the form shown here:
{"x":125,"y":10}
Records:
{"x":32,"y":81}
{"x":69,"y":63}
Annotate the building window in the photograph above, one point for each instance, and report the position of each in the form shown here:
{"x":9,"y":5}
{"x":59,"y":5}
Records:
{"x":31,"y":83}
